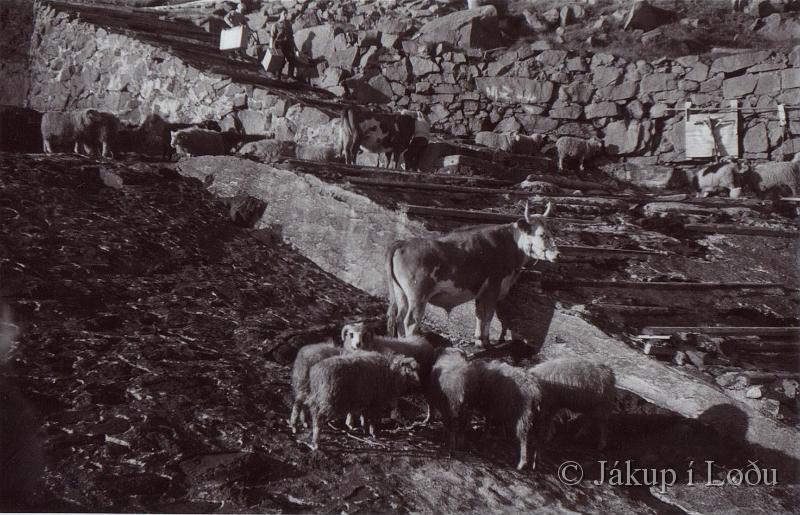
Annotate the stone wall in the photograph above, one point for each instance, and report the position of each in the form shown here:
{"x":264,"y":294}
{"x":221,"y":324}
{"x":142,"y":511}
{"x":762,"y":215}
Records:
{"x":462,"y":89}
{"x":16,"y":26}
{"x":77,"y":65}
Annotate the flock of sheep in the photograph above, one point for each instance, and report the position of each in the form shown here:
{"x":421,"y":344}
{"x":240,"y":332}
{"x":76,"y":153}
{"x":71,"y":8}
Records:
{"x":90,"y":131}
{"x":368,"y":373}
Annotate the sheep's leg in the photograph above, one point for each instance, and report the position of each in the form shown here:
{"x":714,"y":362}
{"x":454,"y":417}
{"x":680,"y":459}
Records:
{"x":586,"y":425}
{"x":48,"y":148}
{"x":316,"y":422}
{"x":603,"y":425}
{"x":582,"y":167}
{"x":297,"y":410}
{"x":560,"y":163}
{"x":522,"y":436}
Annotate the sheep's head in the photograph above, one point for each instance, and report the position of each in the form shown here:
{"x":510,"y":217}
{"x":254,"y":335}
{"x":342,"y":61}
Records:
{"x":407,"y":368}
{"x":356,"y":336}
{"x":596,"y":143}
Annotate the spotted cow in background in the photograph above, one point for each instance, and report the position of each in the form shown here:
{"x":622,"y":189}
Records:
{"x":477,"y":263}
{"x":378,"y":133}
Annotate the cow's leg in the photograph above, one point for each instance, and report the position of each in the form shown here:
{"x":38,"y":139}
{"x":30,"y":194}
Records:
{"x":401,"y":311}
{"x":484,"y":312}
{"x":414,"y":314}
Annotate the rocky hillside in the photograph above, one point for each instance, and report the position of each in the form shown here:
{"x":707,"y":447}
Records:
{"x":153,"y":332}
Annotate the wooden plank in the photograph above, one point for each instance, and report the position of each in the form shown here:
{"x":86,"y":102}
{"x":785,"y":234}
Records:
{"x":359,"y":170}
{"x":636,"y":310}
{"x":479,"y":216}
{"x":427,"y":186}
{"x":741,"y":230}
{"x":605,"y":253}
{"x":586,"y":283}
{"x":724,"y":330}
{"x":760,"y":345}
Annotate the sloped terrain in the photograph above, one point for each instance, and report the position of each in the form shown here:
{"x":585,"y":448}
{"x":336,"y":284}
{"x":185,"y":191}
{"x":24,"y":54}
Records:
{"x":147,"y":323}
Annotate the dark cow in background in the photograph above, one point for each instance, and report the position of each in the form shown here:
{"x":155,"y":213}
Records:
{"x":379,"y":133}
{"x":478,"y":263}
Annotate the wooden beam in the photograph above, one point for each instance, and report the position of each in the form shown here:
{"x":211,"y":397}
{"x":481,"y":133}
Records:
{"x":427,"y":186}
{"x":359,"y":170}
{"x":724,"y":330}
{"x":478,"y":216}
{"x":759,"y":345}
{"x":636,"y":310}
{"x":667,"y":285}
{"x":741,"y":229}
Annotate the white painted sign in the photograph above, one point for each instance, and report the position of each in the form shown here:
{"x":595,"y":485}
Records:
{"x":712,"y":134}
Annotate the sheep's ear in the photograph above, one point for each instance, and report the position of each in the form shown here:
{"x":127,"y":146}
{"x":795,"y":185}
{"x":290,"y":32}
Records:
{"x":344,"y":334}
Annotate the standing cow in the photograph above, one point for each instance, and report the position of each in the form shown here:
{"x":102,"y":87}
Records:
{"x":480,"y":263}
{"x":379,"y":133}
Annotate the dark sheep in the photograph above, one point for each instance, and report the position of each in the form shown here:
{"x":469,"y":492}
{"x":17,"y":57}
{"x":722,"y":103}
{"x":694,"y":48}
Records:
{"x":508,"y":396}
{"x":361,"y":382}
{"x":581,"y":386}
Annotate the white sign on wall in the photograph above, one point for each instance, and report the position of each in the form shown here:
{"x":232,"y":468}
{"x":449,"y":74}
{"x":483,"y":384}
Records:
{"x":712,"y":134}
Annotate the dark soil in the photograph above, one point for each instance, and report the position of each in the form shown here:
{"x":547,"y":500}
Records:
{"x":149,"y":328}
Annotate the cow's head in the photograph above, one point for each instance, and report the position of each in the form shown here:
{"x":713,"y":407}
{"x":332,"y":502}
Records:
{"x":356,"y":336}
{"x":534,"y":238}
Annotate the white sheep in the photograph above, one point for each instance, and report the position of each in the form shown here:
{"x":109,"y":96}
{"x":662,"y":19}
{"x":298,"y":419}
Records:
{"x":579,"y":385}
{"x":361,"y":337}
{"x":721,"y":176}
{"x":507,"y":396}
{"x":571,"y":147}
{"x":198,"y":142}
{"x":360,"y":382}
{"x":85,"y":129}
{"x":307,"y":357}
{"x":319,"y":153}
{"x":778,"y":179}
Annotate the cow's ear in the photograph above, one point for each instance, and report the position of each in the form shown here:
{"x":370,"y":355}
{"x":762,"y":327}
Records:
{"x":548,"y":210}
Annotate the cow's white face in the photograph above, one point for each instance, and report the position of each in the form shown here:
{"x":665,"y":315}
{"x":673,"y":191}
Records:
{"x":534,"y":238}
{"x":536,"y":241}
{"x":373,"y":136}
{"x":356,"y":337}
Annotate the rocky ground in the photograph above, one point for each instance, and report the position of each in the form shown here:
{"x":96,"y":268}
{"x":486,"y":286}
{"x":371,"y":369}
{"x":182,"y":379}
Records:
{"x":147,"y":323}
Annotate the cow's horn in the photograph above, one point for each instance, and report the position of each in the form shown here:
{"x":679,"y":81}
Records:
{"x":548,"y":209}
{"x":527,"y":214}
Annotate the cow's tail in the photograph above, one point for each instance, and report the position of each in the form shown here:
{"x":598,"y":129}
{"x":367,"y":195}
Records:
{"x":394,"y":289}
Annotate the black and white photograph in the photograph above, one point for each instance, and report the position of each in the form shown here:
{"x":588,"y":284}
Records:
{"x":400,"y":256}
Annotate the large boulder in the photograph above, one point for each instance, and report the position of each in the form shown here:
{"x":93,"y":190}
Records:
{"x":316,"y":42}
{"x":473,"y":28}
{"x":647,"y":17}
